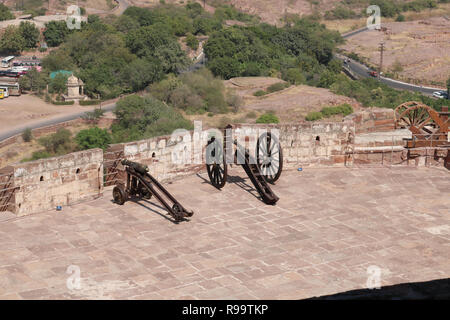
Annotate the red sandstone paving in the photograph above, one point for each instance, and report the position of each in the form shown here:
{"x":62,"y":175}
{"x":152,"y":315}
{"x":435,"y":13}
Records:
{"x":327,"y":228}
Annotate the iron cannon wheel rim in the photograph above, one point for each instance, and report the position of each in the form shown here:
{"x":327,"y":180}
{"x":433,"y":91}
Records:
{"x":269,"y":157}
{"x":217,"y":172}
{"x":119,"y":195}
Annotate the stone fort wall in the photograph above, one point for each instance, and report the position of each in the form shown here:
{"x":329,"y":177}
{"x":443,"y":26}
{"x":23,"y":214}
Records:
{"x":364,"y":138}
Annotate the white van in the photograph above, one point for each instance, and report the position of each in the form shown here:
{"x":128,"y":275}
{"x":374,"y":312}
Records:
{"x":5,"y":92}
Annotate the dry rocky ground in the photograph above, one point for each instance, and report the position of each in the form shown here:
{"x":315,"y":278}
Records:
{"x":290,"y":104}
{"x":18,"y":111}
{"x":94,"y":6}
{"x":420,"y":49}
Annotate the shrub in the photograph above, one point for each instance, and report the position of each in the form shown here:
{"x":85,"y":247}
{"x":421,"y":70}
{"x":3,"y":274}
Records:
{"x":313,"y":116}
{"x":235,"y":101}
{"x":277,"y":87}
{"x":344,"y":109}
{"x":63,"y":103}
{"x":400,"y":18}
{"x":58,"y":143}
{"x":259,"y":93}
{"x":268,"y":118}
{"x":251,"y":115}
{"x":89,"y":102}
{"x":93,"y":138}
{"x":93,"y":115}
{"x":294,"y":76}
{"x":27,"y":135}
{"x":41,"y":154}
{"x":192,"y":42}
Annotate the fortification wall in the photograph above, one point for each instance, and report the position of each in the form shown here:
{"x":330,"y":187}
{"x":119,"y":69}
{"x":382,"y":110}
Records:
{"x":44,"y":184}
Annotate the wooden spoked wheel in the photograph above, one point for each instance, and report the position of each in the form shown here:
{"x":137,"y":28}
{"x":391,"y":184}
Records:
{"x":269,"y":157}
{"x":420,"y":119}
{"x":215,"y":163}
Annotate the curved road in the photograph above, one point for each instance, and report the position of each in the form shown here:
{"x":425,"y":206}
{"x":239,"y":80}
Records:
{"x":48,"y":122}
{"x":361,"y":71}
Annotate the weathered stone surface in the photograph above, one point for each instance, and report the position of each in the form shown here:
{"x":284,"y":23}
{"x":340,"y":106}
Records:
{"x":328,"y":227}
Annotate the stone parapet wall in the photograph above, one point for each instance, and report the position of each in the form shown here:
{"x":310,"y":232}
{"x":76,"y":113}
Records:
{"x":44,"y":184}
{"x":373,"y":120}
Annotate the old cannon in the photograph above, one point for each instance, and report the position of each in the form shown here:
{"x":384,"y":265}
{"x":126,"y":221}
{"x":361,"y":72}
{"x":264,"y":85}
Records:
{"x":142,"y":184}
{"x":265,"y":168}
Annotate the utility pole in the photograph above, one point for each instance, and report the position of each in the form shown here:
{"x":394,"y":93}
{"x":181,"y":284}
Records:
{"x":381,"y":58}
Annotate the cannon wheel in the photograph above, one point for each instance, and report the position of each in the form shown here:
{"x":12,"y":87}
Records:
{"x":119,"y":194}
{"x":217,"y":170}
{"x":269,"y":157}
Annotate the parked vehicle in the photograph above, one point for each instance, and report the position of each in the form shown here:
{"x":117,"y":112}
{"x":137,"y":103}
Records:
{"x":2,"y":94}
{"x":440,"y":94}
{"x":6,"y":62}
{"x":373,"y":73}
{"x":9,"y":73}
{"x":5,"y":91}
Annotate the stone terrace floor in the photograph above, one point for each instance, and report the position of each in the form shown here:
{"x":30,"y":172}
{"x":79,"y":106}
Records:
{"x":327,"y":228}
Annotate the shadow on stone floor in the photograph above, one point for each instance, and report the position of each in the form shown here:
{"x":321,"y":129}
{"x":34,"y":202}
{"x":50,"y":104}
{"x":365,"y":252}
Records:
{"x":435,"y":289}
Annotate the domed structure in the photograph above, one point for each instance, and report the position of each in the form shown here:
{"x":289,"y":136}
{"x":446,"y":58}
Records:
{"x":73,"y":89}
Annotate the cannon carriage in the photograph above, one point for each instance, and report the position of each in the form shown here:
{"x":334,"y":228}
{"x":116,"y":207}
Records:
{"x":263,"y":168}
{"x":141,"y":184}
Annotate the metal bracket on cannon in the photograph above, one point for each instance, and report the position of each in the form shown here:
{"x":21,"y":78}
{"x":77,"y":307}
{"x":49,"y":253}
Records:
{"x":142,"y":184}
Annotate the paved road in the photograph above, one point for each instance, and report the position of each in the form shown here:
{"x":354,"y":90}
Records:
{"x":361,"y":71}
{"x":47,"y":122}
{"x":123,"y":5}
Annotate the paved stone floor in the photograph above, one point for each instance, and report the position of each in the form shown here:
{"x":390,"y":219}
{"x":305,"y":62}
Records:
{"x":329,"y":226}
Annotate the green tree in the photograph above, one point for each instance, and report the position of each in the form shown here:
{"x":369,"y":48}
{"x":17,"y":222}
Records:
{"x":58,"y":84}
{"x":191,"y":41}
{"x":93,"y":138}
{"x":5,"y":13}
{"x":58,"y":60}
{"x":33,"y":81}
{"x":30,"y":34}
{"x":140,"y":73}
{"x":143,"y":117}
{"x":56,"y":32}
{"x":12,"y":41}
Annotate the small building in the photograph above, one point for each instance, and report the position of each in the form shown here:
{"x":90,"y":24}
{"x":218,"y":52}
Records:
{"x":75,"y":89}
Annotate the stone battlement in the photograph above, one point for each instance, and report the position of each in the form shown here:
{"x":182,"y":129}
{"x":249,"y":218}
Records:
{"x":364,"y":138}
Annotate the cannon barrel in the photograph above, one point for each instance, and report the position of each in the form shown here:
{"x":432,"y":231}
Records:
{"x":142,"y":169}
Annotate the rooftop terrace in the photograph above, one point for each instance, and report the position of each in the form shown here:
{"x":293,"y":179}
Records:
{"x":329,"y":225}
